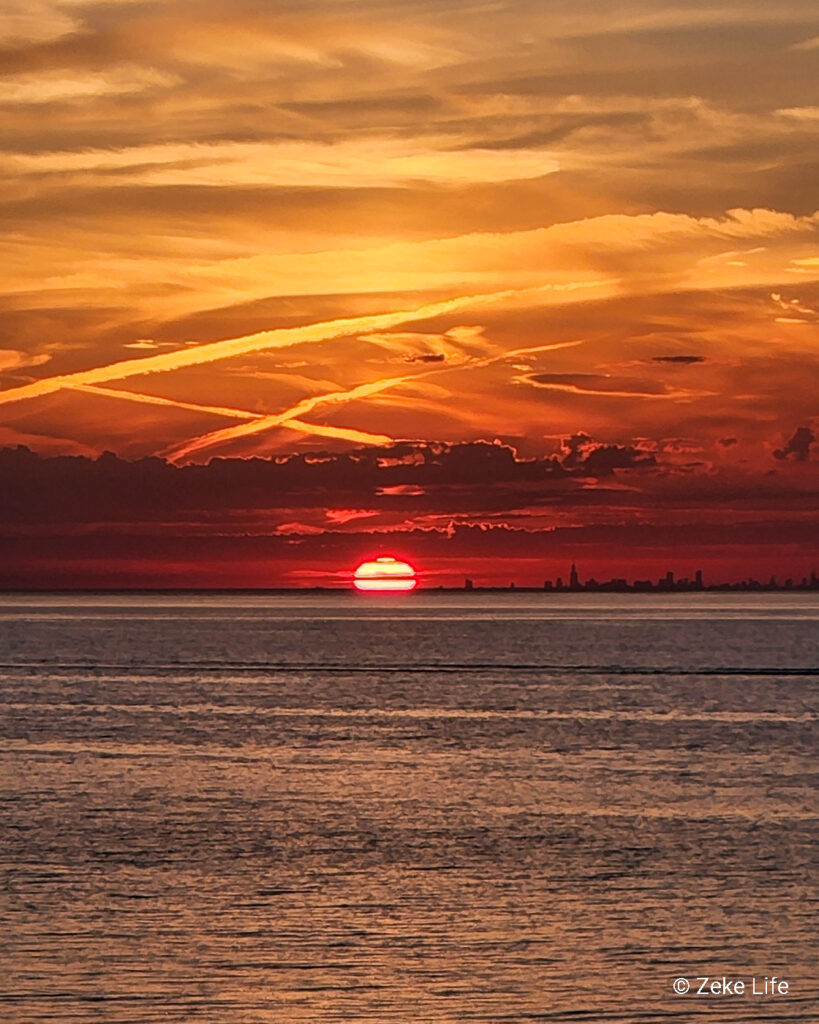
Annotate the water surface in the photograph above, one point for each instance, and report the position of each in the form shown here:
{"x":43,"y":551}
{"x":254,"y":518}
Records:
{"x":441,"y":808}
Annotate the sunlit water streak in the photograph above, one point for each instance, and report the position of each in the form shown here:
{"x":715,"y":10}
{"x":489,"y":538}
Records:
{"x":449,"y":808}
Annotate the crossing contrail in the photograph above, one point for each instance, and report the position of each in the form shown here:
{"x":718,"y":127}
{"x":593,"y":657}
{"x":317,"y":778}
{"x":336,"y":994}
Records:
{"x":282,"y":337}
{"x":319,"y":429}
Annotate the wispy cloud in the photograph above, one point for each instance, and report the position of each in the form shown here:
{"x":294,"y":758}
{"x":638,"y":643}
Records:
{"x":460,"y":221}
{"x":261,"y":341}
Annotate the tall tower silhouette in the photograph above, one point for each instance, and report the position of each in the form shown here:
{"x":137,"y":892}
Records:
{"x":574,"y":580}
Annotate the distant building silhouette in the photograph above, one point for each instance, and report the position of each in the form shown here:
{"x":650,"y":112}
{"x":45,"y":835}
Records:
{"x":667,"y":581}
{"x":665,"y":584}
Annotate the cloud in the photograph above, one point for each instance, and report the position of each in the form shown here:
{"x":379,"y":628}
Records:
{"x":264,"y":423}
{"x":261,"y":341}
{"x":413,"y":385}
{"x":604,"y":386}
{"x":284,"y":164}
{"x":34,"y":21}
{"x":798,"y":447}
{"x":598,"y":256}
{"x":14,"y":360}
{"x":67,"y":88}
{"x":46,"y":444}
{"x":250,"y":521}
{"x":291,"y":423}
{"x":427,"y":357}
{"x":171,"y":403}
{"x":681,"y":360}
{"x":340,"y":516}
{"x":586,"y":457}
{"x":456,"y":345}
{"x":401,"y":490}
{"x":235,"y":178}
{"x":358,"y":479}
{"x":807,"y":44}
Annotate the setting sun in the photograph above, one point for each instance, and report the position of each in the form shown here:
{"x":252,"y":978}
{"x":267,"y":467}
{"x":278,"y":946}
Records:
{"x":384,"y":574}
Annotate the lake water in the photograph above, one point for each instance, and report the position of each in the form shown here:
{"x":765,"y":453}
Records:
{"x":439,"y":808}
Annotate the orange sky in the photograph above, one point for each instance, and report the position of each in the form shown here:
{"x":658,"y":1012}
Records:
{"x":242,"y":229}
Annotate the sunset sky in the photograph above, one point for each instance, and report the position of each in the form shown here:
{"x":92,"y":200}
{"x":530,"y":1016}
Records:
{"x":496,"y":286}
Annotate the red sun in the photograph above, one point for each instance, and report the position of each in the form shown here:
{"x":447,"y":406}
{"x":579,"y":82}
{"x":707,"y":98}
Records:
{"x":384,"y":574}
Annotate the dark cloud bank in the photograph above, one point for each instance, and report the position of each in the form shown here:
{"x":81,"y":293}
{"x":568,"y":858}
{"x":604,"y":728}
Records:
{"x":474,"y":508}
{"x":80,"y":489}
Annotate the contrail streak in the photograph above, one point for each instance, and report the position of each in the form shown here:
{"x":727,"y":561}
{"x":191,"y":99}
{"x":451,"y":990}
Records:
{"x":306,"y":405}
{"x":282,"y":337}
{"x":133,"y":396}
{"x":532,"y":349}
{"x":319,"y":429}
{"x":340,"y":433}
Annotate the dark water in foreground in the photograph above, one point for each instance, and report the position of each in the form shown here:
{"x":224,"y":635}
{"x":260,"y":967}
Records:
{"x":449,"y":808}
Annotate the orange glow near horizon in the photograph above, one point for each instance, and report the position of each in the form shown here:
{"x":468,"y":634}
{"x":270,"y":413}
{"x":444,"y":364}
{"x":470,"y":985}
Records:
{"x":384,"y":574}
